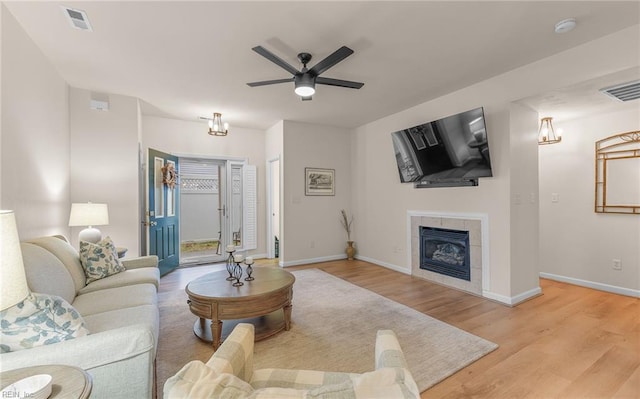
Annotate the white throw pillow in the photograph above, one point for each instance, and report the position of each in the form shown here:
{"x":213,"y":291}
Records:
{"x":40,"y":319}
{"x":99,"y":260}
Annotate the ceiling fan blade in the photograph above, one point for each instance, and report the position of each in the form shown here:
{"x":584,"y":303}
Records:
{"x":270,"y":82}
{"x":337,"y":56}
{"x":306,"y":98}
{"x":338,"y":82}
{"x":275,"y":59}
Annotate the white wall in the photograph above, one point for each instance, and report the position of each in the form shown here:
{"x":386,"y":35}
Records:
{"x":524,"y":214}
{"x":1,"y":46}
{"x":190,"y":138}
{"x":575,"y":242}
{"x":380,"y":201}
{"x":104,"y":163}
{"x":312,"y":229}
{"x":35,"y":136}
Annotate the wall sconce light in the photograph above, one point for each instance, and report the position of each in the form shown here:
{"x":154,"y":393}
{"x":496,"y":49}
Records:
{"x":216,"y":127}
{"x":546,"y":133}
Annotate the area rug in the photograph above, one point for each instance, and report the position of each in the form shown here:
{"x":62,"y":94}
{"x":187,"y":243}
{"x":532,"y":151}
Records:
{"x":334,"y":325}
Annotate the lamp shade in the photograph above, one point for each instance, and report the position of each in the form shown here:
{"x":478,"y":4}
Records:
{"x":13,"y":281}
{"x":88,"y":214}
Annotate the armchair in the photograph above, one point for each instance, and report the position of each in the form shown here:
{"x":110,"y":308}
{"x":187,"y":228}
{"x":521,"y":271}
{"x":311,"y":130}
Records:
{"x":230,"y":372}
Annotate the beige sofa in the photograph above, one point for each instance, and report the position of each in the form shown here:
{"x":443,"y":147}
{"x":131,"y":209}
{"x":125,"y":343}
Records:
{"x":120,"y":312}
{"x":229,"y":373}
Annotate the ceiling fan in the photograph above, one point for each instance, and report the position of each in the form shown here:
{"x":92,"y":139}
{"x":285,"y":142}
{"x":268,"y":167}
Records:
{"x":305,"y":80}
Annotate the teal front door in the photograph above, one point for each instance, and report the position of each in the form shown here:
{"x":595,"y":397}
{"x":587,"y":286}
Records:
{"x":163,"y":212}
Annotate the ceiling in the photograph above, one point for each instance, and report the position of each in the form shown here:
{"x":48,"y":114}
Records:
{"x":190,"y":59}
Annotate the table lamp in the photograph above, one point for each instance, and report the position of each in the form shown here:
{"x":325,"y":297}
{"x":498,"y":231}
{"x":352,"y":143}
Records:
{"x":13,"y":281}
{"x":90,"y":215}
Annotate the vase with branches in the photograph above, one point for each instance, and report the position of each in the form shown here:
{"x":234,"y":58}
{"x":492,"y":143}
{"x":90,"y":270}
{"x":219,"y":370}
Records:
{"x":346,"y":223}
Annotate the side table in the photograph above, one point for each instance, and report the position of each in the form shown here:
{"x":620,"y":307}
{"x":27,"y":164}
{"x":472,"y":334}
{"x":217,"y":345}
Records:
{"x":68,"y":382}
{"x":121,"y":251}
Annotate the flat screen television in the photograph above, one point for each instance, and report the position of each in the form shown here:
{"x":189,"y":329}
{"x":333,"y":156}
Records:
{"x":452,"y":151}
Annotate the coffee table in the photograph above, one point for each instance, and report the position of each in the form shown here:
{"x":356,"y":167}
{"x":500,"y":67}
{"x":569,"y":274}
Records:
{"x":265,"y":302}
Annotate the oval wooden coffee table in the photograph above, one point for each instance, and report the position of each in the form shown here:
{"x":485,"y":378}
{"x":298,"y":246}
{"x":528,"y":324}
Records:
{"x":265,"y":302}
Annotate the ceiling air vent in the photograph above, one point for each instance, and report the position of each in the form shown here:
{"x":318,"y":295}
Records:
{"x":77,"y":18}
{"x":624,"y":92}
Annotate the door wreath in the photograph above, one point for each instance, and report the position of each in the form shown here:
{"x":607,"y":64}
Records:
{"x":169,"y":175}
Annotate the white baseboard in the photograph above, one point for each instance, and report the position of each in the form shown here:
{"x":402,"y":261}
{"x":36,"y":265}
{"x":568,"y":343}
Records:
{"x":592,"y":284}
{"x":384,"y":264}
{"x":512,"y":300}
{"x":312,"y":260}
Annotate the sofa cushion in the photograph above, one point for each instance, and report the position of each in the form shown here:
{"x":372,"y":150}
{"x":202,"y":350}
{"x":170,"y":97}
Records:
{"x":115,"y":298}
{"x":40,"y":319}
{"x":67,"y":255}
{"x":99,"y":260}
{"x":146,"y":275}
{"x":145,"y":314}
{"x":46,"y":274}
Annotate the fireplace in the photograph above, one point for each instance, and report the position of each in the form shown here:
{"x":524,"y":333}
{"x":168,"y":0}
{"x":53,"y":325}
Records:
{"x":445,"y":251}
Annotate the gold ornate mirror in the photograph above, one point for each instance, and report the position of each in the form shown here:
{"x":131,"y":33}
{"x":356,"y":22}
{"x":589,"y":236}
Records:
{"x":618,"y":174}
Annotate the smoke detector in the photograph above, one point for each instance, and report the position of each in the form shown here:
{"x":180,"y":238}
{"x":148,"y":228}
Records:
{"x":77,"y":18}
{"x":624,"y":92}
{"x":565,"y":25}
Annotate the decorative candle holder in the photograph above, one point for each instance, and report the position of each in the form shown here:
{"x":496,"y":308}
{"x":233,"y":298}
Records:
{"x":237,"y":275}
{"x":230,"y":265}
{"x":249,"y":262}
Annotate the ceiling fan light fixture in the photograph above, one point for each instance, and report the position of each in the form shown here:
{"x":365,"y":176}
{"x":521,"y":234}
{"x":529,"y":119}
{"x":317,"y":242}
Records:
{"x":305,"y":91}
{"x":305,"y":85}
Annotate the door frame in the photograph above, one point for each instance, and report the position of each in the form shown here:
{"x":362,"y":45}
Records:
{"x":226,"y":221}
{"x":270,"y":207}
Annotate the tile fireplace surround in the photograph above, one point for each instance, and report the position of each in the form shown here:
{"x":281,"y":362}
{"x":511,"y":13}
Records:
{"x":478,"y":227}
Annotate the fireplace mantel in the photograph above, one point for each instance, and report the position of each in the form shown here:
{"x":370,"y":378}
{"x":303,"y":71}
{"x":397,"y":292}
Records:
{"x":477,"y":224}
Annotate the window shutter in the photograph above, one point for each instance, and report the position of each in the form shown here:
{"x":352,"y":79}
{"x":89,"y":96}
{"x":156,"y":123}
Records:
{"x":250,"y":217}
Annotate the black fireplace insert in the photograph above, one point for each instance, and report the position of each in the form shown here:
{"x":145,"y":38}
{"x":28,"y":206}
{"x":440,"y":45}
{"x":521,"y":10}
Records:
{"x":445,"y":251}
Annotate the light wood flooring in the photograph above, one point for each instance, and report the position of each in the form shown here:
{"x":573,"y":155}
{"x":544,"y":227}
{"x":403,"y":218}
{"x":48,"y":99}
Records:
{"x":570,"y":342}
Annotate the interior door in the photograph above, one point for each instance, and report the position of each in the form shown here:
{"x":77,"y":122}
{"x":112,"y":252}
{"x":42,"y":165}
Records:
{"x":163,"y":211}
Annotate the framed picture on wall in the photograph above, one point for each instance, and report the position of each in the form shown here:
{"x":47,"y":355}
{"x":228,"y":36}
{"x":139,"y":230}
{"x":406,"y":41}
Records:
{"x":319,"y":181}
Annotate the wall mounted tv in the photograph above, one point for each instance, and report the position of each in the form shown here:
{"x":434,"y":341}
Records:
{"x":447,"y":152}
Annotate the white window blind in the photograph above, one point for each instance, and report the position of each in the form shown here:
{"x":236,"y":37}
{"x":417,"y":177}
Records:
{"x":250,"y":217}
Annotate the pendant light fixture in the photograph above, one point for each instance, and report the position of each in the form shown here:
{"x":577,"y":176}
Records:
{"x":546,"y":133}
{"x":216,"y":127}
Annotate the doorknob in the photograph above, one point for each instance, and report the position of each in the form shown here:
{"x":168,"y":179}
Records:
{"x":147,"y":224}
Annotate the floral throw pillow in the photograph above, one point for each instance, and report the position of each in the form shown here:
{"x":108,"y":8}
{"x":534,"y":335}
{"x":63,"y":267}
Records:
{"x":39,"y":320}
{"x":99,"y":260}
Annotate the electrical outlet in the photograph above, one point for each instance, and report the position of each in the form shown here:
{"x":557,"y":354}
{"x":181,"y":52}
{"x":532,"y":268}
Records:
{"x":555,"y":197}
{"x":312,"y":244}
{"x":617,"y":264}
